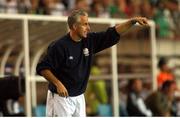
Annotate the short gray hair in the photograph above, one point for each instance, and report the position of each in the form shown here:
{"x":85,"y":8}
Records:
{"x":74,"y":17}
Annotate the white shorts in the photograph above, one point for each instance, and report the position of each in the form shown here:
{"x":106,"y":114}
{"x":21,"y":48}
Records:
{"x":57,"y":106}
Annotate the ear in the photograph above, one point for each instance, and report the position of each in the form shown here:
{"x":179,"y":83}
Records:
{"x":74,"y":26}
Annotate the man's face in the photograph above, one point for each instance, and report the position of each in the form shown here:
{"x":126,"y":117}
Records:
{"x":82,"y":27}
{"x":138,"y":86}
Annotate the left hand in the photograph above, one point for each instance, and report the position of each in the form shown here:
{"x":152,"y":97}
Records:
{"x":141,"y":20}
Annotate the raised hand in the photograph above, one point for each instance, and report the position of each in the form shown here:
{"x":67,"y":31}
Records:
{"x":141,"y":20}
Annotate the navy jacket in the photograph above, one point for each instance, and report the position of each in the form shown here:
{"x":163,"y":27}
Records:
{"x":71,"y":61}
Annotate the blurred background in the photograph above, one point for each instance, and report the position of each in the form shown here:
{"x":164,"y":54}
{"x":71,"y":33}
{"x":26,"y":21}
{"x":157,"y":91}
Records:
{"x":148,"y":68}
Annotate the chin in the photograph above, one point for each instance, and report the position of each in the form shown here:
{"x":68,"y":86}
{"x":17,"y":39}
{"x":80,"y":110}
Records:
{"x":85,"y":36}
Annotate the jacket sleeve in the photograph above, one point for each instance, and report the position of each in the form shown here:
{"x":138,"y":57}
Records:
{"x":103,"y":40}
{"x":51,"y":60}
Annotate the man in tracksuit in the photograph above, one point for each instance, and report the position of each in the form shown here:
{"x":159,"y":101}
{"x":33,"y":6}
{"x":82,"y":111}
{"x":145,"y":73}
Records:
{"x":68,"y":60}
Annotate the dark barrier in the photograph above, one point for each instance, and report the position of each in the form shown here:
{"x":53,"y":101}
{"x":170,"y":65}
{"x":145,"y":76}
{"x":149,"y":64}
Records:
{"x":11,"y":87}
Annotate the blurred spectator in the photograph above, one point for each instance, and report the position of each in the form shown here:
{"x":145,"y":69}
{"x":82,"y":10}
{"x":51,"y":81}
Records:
{"x":123,"y":97}
{"x":147,"y":9}
{"x":160,"y":102}
{"x":133,"y":8}
{"x":164,"y":75}
{"x":121,"y":9}
{"x":70,"y":4}
{"x":48,"y":7}
{"x":97,"y":10}
{"x":38,"y":7}
{"x":56,"y":7}
{"x":165,"y":13}
{"x":96,"y":93}
{"x":82,"y":4}
{"x":161,"y":19}
{"x":2,"y":6}
{"x":24,"y":6}
{"x":165,"y":72}
{"x":42,"y":7}
{"x":135,"y":103}
{"x":109,"y":8}
{"x":173,"y":15}
{"x":11,"y":7}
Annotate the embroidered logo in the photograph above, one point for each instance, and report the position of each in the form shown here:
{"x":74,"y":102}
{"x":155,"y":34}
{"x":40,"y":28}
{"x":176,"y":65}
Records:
{"x":86,"y":51}
{"x":71,"y":58}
